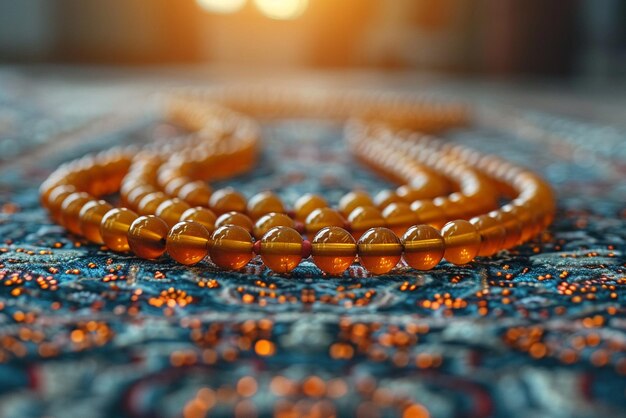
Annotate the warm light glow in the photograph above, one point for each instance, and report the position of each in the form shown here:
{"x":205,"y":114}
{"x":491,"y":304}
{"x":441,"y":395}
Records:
{"x":221,"y":6}
{"x":282,"y":9}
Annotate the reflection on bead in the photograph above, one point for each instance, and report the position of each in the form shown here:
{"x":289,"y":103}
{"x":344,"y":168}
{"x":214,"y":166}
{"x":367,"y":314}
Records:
{"x":227,"y":200}
{"x":363,"y":218}
{"x":307,"y":204}
{"x":196,"y":193}
{"x":114,"y":228}
{"x":423,"y":247}
{"x":55,"y":200}
{"x":281,"y":249}
{"x":90,"y":218}
{"x":138,"y":193}
{"x":333,"y":250}
{"x":231,"y":247}
{"x":150,"y":202}
{"x":385,"y":198}
{"x":429,"y":214}
{"x":353,"y":200}
{"x":491,"y":232}
{"x":511,"y":225}
{"x":462,"y":241}
{"x":379,"y":250}
{"x":171,"y":210}
{"x":399,"y":217}
{"x":321,"y":218}
{"x":146,"y":237}
{"x":203,"y":216}
{"x":235,"y":218}
{"x":188,"y":242}
{"x":70,"y":209}
{"x":269,"y":221}
{"x":263,"y":203}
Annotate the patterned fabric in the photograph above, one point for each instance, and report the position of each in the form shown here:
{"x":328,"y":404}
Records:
{"x":538,"y":331}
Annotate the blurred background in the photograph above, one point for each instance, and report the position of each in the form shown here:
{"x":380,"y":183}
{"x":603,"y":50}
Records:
{"x":547,"y":38}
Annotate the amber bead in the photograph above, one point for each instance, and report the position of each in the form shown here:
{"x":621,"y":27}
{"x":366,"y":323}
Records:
{"x":150,"y":202}
{"x":321,"y":218}
{"x":235,"y":218}
{"x":114,"y":228}
{"x":227,"y":200}
{"x":452,"y":208}
{"x":203,"y":216}
{"x":55,"y":199}
{"x":196,"y":193}
{"x":90,"y":218}
{"x":423,"y":247}
{"x":462,"y":241}
{"x":188,"y":242}
{"x":511,"y":225}
{"x":491,"y":232}
{"x":70,"y":210}
{"x":263,"y":203}
{"x":173,"y":186}
{"x":363,"y":218}
{"x":429,"y":214}
{"x":135,"y":195}
{"x":379,"y":250}
{"x":171,"y":210}
{"x":147,"y":236}
{"x":307,"y":204}
{"x":281,"y":249}
{"x":399,"y":217}
{"x":333,"y":250}
{"x":385,"y":198}
{"x":231,"y":247}
{"x":269,"y":221}
{"x":353,"y":200}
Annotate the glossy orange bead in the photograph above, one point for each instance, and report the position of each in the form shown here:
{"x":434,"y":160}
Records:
{"x":333,"y":250}
{"x":264,"y":203}
{"x":203,"y":216}
{"x":90,"y":218}
{"x":70,"y":210}
{"x":281,"y":249}
{"x":231,"y":247}
{"x":147,"y":236}
{"x":150,"y":202}
{"x":55,"y":199}
{"x":173,"y":186}
{"x":423,"y":247}
{"x":511,"y":225}
{"x":379,"y":250}
{"x":114,"y":228}
{"x":385,"y":198}
{"x":491,"y":232}
{"x":171,"y":210}
{"x":363,"y":218}
{"x":428,"y":213}
{"x":321,"y":218}
{"x":188,"y":242}
{"x":235,"y":218}
{"x":307,"y":204}
{"x":462,"y":241}
{"x":227,"y":200}
{"x":269,"y":221}
{"x":196,"y":193}
{"x":399,"y":217}
{"x":135,"y":195}
{"x":353,"y":200}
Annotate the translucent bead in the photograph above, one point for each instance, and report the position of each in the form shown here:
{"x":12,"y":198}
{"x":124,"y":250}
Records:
{"x":171,"y":210}
{"x":90,"y":218}
{"x":227,"y":200}
{"x":70,"y":210}
{"x":281,"y":249}
{"x":114,"y":228}
{"x":385,"y":198}
{"x":453,"y":208}
{"x":321,"y":218}
{"x":399,"y":217}
{"x":235,"y":218}
{"x":492,"y":234}
{"x":333,"y":250}
{"x":269,"y":221}
{"x":203,"y":216}
{"x":379,"y":250}
{"x":423,"y":247}
{"x":173,"y":186}
{"x":307,"y":204}
{"x":188,"y":242}
{"x":429,"y":214}
{"x":196,"y":193}
{"x":353,"y":200}
{"x":511,"y":225}
{"x":263,"y":203}
{"x":363,"y":218}
{"x":55,"y":199}
{"x":462,"y":241}
{"x":231,"y":247}
{"x":134,"y":197}
{"x":147,"y":236}
{"x":150,"y":202}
